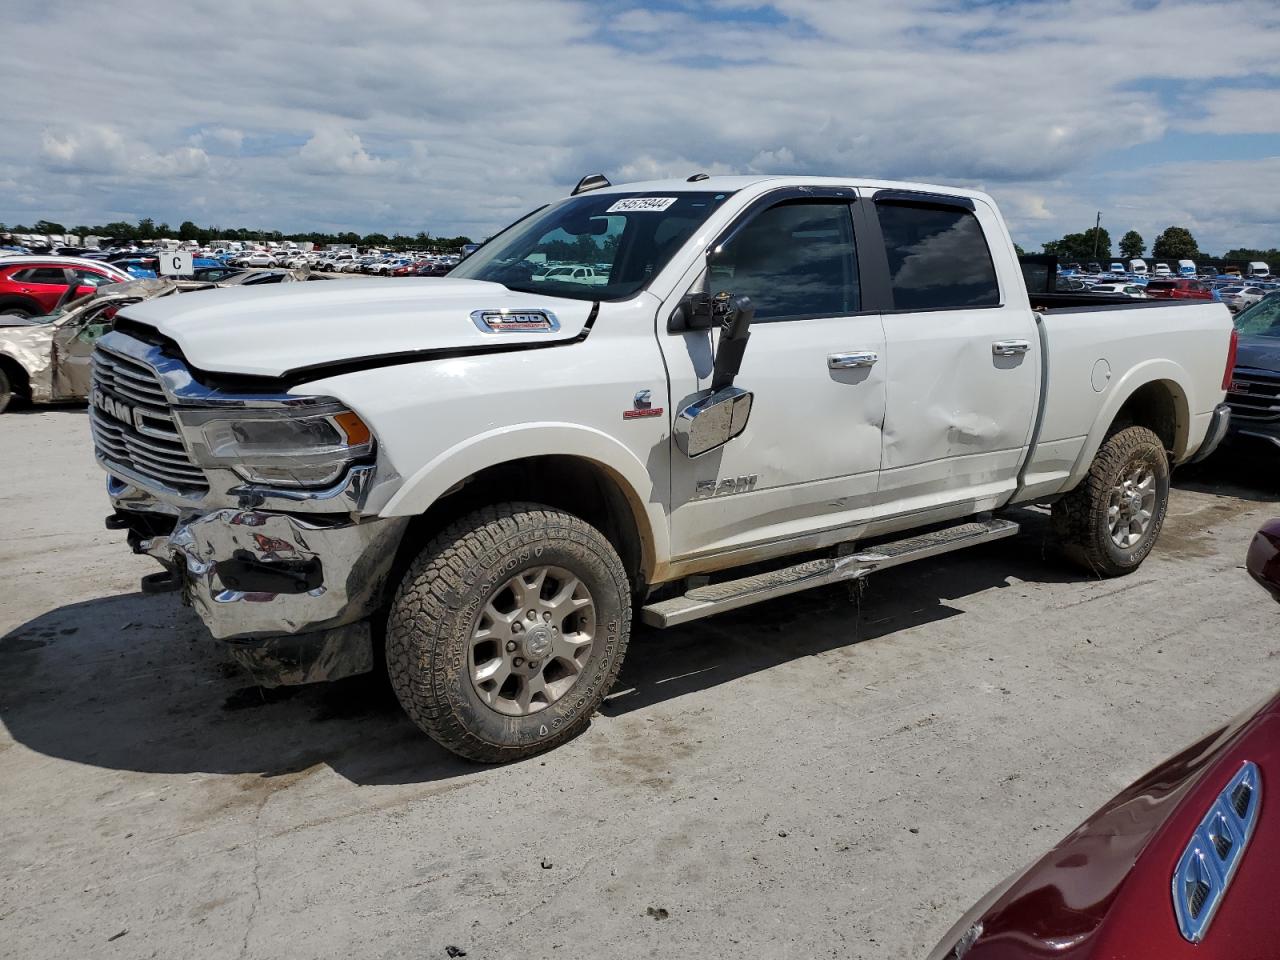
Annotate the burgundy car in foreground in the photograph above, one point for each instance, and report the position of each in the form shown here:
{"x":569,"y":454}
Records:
{"x":1185,"y":863}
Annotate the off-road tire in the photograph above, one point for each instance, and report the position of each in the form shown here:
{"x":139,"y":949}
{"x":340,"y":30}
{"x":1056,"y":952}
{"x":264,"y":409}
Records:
{"x":6,"y":390}
{"x":1080,"y":518}
{"x":436,"y":607}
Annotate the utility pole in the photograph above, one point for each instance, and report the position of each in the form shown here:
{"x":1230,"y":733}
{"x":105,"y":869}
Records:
{"x":1097,"y":226}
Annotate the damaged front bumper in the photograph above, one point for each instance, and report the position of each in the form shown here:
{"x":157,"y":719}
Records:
{"x":290,"y":594}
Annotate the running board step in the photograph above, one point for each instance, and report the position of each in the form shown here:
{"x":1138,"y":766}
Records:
{"x":719,"y":597}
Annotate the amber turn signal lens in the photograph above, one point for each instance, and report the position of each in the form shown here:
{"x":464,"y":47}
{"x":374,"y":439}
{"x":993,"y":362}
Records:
{"x":353,"y":427}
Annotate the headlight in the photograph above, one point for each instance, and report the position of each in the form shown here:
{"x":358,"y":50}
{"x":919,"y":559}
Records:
{"x":309,"y":446}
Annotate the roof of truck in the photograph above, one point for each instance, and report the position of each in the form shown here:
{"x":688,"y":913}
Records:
{"x":732,"y":184}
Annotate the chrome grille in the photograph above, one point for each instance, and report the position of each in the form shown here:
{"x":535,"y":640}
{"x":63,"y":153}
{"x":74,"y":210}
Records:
{"x":1254,"y":397}
{"x":147,"y":441}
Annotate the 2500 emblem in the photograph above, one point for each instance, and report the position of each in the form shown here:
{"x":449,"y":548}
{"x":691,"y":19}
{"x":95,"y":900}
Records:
{"x":515,"y":321}
{"x":116,"y":409}
{"x":704,"y":489}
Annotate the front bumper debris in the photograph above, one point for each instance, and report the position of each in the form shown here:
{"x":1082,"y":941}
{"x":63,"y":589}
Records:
{"x":306,"y":657}
{"x":291,"y":594}
{"x":254,"y":574}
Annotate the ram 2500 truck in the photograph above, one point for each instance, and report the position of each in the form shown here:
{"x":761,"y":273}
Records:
{"x":785,"y":382}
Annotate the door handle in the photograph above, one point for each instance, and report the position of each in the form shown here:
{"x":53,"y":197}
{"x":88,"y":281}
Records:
{"x":1010,"y":348}
{"x":848,"y":361}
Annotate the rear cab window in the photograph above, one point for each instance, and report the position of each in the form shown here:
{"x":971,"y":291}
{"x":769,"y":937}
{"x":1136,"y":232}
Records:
{"x":938,"y":256}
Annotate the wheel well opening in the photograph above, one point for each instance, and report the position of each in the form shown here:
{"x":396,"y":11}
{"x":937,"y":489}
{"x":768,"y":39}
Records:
{"x":18,"y":380}
{"x":1154,"y":406}
{"x":582,"y":487}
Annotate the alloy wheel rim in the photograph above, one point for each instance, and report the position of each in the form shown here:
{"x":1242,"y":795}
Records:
{"x":531,"y":641}
{"x":1132,"y":505}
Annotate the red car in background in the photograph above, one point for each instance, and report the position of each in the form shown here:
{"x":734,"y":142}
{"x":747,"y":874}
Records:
{"x":1178,"y":290}
{"x":32,"y":286}
{"x":1185,"y":863}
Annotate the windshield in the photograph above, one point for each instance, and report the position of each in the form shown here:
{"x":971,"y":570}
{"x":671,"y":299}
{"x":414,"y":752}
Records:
{"x":1260,"y":320}
{"x":593,"y":246}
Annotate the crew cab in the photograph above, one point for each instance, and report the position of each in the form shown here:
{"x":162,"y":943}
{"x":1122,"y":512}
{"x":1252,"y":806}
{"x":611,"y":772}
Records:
{"x":783,"y":383}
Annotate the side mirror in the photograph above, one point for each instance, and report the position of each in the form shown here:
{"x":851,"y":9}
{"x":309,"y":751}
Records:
{"x":712,"y":420}
{"x":693,"y":312}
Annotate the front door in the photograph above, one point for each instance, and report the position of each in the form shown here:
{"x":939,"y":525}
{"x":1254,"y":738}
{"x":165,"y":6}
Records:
{"x":809,"y":456}
{"x":73,"y":345}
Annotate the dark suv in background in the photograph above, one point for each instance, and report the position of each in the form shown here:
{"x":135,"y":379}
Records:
{"x":1254,"y":392}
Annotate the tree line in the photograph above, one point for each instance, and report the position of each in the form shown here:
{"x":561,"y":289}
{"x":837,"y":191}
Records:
{"x":147,"y":229}
{"x":1174,"y":243}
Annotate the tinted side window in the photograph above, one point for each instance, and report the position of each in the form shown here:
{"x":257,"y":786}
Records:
{"x":793,"y":260}
{"x":42,"y":275}
{"x":938,"y":258}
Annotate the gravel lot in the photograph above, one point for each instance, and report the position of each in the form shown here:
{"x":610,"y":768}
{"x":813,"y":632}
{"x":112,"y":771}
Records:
{"x":807,"y":778}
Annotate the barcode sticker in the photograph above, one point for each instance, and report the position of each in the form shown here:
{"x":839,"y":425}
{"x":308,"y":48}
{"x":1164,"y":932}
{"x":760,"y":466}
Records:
{"x":641,"y":204}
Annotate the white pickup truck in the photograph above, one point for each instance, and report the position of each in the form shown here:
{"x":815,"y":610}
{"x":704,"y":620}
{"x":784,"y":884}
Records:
{"x":484,"y":477}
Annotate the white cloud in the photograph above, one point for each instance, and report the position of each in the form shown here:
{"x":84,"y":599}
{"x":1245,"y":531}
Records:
{"x":98,"y":149}
{"x":338,"y":151}
{"x":219,"y":138}
{"x":1238,"y":110}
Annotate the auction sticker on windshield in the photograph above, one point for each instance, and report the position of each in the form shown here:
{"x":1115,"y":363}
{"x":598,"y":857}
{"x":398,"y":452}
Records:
{"x":640,"y":204}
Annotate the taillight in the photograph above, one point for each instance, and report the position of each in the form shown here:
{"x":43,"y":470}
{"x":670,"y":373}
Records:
{"x":1231,"y":359}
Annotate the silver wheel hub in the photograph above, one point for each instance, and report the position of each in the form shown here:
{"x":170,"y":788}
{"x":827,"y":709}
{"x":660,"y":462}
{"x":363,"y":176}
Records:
{"x":531,"y":641}
{"x":1132,"y":505}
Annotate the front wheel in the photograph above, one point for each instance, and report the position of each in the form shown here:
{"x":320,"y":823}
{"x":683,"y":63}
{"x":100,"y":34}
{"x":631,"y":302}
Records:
{"x":6,"y":390}
{"x":1111,"y":521}
{"x":508,"y":630}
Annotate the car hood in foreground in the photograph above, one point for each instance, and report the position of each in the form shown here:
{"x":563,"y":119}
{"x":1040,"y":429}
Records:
{"x":1106,"y":890}
{"x":285,"y":329}
{"x":1259,"y":353}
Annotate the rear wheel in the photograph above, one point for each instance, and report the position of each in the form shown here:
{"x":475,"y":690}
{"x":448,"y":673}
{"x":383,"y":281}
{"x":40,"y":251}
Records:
{"x":1111,"y":521}
{"x":16,"y":310}
{"x":6,"y":390}
{"x":508,"y":630}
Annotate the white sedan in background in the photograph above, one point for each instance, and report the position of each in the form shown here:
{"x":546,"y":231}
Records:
{"x":258,"y":258}
{"x":1238,"y":297}
{"x":1134,"y":290}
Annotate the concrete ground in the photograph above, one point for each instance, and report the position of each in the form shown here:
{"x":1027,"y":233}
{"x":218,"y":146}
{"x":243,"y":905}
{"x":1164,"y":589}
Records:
{"x":806,"y":778}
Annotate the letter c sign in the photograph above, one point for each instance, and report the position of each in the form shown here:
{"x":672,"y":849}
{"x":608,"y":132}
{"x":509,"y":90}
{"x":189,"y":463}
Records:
{"x":175,"y":263}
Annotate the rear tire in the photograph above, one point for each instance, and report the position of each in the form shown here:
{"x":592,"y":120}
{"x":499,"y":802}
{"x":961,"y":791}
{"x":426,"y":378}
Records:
{"x":6,"y":391}
{"x":508,"y":630}
{"x":1110,"y":522}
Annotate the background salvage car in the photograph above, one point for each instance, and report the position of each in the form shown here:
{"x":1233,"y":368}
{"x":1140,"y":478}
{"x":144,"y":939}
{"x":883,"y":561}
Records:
{"x":43,"y":359}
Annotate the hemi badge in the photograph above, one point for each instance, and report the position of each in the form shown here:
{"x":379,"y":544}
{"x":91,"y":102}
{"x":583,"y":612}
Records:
{"x":515,"y":321}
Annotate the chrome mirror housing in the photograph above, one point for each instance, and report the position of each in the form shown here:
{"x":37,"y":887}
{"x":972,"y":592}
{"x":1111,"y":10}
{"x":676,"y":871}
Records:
{"x":712,"y":420}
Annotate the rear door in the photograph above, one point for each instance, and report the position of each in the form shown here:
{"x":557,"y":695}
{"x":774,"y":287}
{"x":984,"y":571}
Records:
{"x":963,"y":354}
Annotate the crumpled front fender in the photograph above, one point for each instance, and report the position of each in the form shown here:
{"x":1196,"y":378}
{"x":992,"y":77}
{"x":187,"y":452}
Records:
{"x":31,"y":348}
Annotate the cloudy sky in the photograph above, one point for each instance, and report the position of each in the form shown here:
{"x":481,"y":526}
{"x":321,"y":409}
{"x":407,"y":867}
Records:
{"x":456,"y":117}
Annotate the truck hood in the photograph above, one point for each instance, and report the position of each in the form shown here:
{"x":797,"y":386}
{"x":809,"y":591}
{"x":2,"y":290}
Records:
{"x":289,"y":329}
{"x":1259,"y":353}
